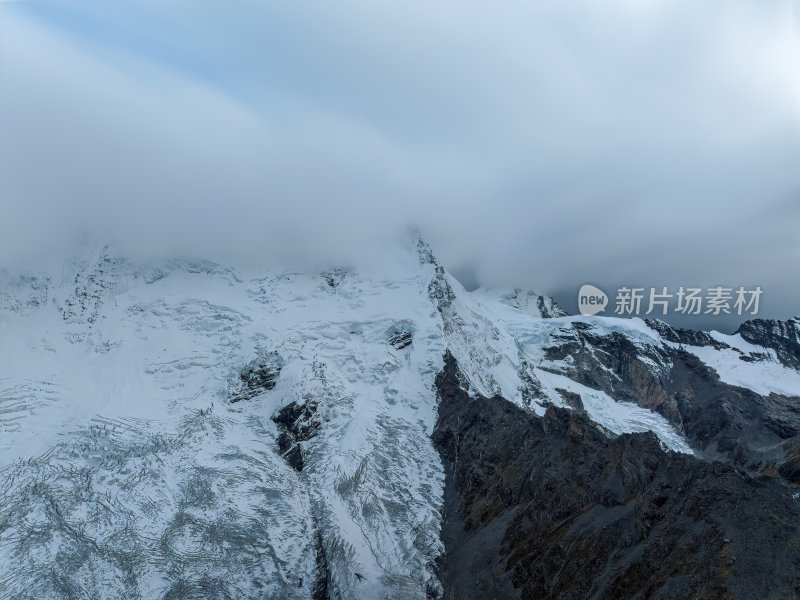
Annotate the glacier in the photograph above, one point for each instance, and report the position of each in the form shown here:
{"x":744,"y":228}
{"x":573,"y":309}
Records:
{"x":188,"y":429}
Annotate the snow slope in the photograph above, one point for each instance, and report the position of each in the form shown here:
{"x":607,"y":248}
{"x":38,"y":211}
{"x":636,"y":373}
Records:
{"x":126,"y":470}
{"x":764,"y":376}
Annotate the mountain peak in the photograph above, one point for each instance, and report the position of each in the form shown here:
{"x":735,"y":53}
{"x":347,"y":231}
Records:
{"x":272,"y":427}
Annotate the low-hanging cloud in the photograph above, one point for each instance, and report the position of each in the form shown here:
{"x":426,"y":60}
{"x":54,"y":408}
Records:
{"x":543,"y":145}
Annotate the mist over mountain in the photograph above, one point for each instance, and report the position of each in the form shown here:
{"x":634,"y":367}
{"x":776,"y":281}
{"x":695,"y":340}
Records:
{"x":548,"y":146}
{"x":289,"y":300}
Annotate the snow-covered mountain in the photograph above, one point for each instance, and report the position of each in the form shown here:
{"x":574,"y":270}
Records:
{"x":185,"y":429}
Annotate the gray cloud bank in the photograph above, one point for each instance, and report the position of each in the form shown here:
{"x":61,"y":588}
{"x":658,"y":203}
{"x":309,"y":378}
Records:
{"x":538,"y":145}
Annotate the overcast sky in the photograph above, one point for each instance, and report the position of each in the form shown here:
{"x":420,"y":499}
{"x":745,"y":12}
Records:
{"x":535,"y":144}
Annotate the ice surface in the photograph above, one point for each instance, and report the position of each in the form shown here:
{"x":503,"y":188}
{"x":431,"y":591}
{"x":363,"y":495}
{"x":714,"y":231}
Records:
{"x":127,"y":472}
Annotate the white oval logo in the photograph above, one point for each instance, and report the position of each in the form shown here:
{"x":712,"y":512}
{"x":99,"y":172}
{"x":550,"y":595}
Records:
{"x":591,"y":300}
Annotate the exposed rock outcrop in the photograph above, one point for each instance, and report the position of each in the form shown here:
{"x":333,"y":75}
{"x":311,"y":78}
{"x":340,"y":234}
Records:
{"x":722,"y":421}
{"x":255,"y":378}
{"x":554,"y":507}
{"x":298,"y":423}
{"x":684,"y":336}
{"x":781,"y":336}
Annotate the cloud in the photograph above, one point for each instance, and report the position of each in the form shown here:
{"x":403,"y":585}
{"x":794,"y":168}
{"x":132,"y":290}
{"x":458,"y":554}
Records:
{"x":540,"y":145}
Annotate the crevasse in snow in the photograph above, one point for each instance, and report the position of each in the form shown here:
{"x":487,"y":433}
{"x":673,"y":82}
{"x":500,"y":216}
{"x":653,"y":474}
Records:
{"x":128,"y":470}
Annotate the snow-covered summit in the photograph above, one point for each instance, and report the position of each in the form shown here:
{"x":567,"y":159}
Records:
{"x":191,"y":429}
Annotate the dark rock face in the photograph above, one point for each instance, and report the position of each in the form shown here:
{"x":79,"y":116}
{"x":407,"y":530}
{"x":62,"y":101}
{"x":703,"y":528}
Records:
{"x":298,"y":423}
{"x":781,"y":336}
{"x":690,"y":337}
{"x":548,"y":308}
{"x":721,"y":421}
{"x":256,"y":378}
{"x":400,"y":339}
{"x":790,"y":467}
{"x":321,"y":589}
{"x":571,"y":398}
{"x":552,"y":507}
{"x":440,"y":291}
{"x":335,"y":277}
